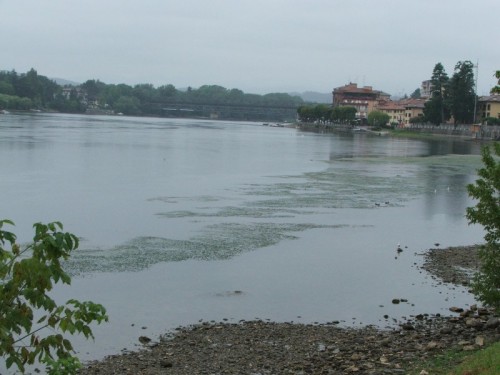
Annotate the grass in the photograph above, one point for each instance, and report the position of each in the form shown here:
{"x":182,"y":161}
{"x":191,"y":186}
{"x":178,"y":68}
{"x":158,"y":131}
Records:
{"x":482,"y":362}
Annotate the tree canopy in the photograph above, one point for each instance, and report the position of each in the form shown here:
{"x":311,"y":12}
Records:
{"x":378,"y":118}
{"x":31,"y":90}
{"x":496,"y":89}
{"x":325,"y":113}
{"x":436,"y":110}
{"x":461,"y":93}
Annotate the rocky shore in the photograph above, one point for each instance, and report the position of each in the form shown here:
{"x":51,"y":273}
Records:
{"x":258,"y":347}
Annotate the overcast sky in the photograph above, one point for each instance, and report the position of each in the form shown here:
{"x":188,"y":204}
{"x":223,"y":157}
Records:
{"x":258,"y":46}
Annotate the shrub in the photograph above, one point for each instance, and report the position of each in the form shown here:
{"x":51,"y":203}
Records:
{"x":486,"y":190}
{"x":27,"y":274}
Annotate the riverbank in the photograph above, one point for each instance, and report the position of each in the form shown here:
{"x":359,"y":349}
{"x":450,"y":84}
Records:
{"x":261,"y":347}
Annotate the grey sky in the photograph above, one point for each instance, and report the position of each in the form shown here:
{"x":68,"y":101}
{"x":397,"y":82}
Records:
{"x":258,"y":46}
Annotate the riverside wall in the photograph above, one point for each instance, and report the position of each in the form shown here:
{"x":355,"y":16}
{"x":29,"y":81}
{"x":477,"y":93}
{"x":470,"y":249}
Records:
{"x":469,"y":131}
{"x":472,"y":131}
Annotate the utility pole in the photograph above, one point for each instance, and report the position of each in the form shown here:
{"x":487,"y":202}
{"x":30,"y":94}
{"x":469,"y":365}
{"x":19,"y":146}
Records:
{"x":475,"y":92}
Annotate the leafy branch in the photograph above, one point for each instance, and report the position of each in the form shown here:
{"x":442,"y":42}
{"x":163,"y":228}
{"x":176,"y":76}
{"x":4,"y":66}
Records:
{"x":26,"y":277}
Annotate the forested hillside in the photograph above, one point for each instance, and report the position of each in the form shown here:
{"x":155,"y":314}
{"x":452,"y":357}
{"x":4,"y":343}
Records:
{"x":25,"y":91}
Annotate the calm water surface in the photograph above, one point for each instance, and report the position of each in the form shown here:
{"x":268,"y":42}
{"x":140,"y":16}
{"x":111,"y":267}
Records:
{"x":189,"y":220}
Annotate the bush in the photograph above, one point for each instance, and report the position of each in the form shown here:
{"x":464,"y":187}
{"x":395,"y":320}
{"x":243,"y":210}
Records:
{"x":492,"y":121}
{"x":26,"y":276}
{"x":378,"y":118}
{"x":486,"y":190}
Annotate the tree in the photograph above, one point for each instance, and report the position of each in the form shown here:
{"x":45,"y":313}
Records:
{"x":26,"y":276}
{"x":323,"y":112}
{"x":128,"y":105}
{"x":93,"y":88}
{"x":461,"y":94}
{"x":167,"y":91}
{"x":306,"y":113}
{"x":344,"y":114}
{"x":496,"y":89}
{"x":416,"y":94}
{"x":435,"y":109}
{"x":6,"y":88}
{"x":378,"y":118}
{"x":486,"y":190}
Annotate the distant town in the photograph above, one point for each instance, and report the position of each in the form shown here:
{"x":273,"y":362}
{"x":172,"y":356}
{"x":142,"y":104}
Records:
{"x":439,"y":100}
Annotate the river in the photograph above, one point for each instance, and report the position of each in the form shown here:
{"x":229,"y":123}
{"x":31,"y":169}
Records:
{"x":184,"y":220}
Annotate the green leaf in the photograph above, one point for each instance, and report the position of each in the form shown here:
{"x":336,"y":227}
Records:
{"x":23,"y":288}
{"x":67,"y":345}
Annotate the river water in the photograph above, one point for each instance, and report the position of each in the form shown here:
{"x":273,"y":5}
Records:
{"x":188,"y":220}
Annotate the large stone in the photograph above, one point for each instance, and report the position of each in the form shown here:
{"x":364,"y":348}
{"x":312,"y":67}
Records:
{"x":492,"y":323}
{"x":144,"y":340}
{"x":473,"y":322}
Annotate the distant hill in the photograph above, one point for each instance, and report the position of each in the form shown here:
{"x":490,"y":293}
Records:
{"x":314,"y":97}
{"x":64,"y":82}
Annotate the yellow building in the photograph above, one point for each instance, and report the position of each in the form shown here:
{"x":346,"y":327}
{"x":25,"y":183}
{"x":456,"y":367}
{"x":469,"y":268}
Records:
{"x":395,"y":110}
{"x":488,"y":106}
{"x":413,"y":108}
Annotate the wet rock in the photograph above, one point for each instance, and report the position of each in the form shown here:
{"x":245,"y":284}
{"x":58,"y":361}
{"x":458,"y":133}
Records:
{"x":407,"y":327}
{"x":492,"y":323}
{"x":432,"y":345}
{"x":166,"y":364}
{"x":144,"y":340}
{"x":446,"y":330}
{"x":475,"y":323}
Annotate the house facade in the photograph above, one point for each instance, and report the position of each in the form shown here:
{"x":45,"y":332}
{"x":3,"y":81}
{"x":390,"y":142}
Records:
{"x":488,"y":106}
{"x":395,"y":110}
{"x":364,"y":99}
{"x":425,"y":89}
{"x":414,"y":108}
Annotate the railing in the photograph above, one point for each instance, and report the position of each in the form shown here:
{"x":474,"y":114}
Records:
{"x":474,"y":131}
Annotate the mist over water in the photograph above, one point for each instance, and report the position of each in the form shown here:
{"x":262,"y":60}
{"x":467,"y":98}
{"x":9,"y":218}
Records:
{"x":183,"y":220}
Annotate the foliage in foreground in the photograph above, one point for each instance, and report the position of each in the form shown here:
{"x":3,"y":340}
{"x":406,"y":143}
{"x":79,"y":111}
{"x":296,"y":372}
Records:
{"x":486,"y":190}
{"x":482,"y":362}
{"x":26,"y":310}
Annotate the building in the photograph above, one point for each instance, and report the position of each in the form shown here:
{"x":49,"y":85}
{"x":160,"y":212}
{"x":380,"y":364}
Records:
{"x":488,"y":106}
{"x":425,"y":89}
{"x":414,"y":108}
{"x":395,"y":110}
{"x":364,"y":99}
{"x":69,"y":92}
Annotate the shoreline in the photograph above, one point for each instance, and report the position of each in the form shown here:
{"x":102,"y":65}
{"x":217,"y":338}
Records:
{"x":262,"y":347}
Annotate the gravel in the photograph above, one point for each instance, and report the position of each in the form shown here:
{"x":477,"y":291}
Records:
{"x":259,"y":347}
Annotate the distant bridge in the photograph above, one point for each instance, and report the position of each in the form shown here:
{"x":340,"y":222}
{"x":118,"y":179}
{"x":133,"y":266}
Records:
{"x":229,"y":111}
